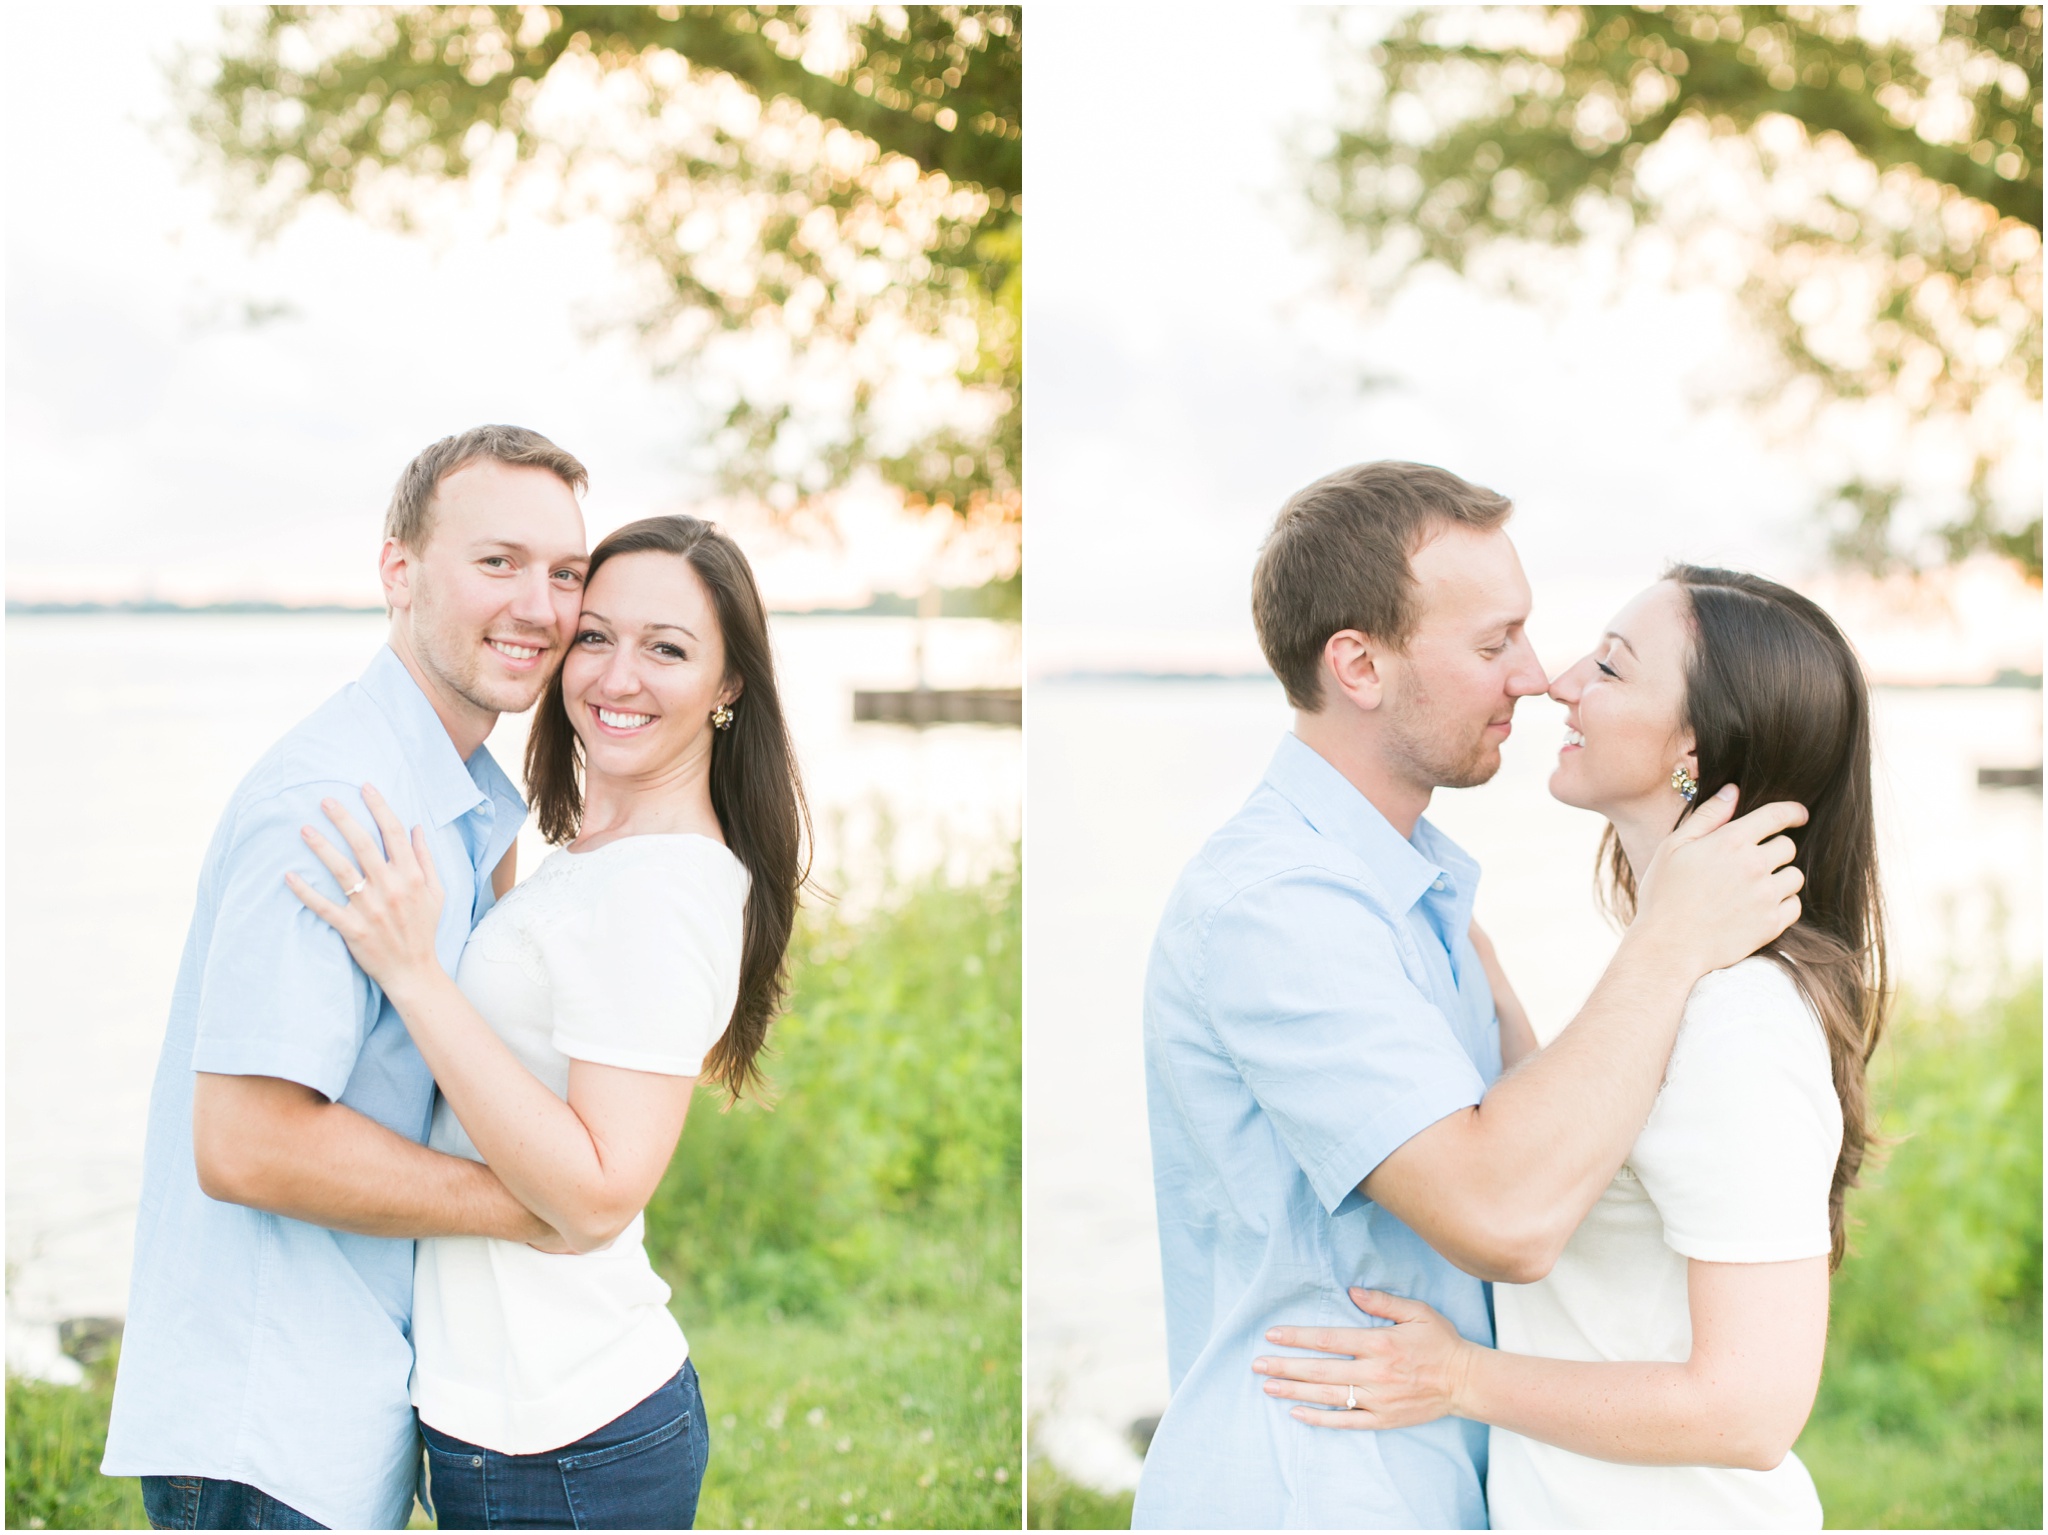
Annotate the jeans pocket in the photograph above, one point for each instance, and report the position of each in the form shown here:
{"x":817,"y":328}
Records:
{"x":172,"y":1502}
{"x":456,"y":1486}
{"x":648,"y":1483}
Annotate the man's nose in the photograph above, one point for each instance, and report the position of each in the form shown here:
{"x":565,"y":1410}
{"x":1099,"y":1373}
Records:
{"x":1527,"y":677}
{"x":533,"y":600}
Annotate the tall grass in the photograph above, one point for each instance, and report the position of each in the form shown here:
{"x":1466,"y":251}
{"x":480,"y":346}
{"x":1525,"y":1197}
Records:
{"x":846,"y":1266}
{"x":888,"y":1170}
{"x":847,"y":1263}
{"x":1930,"y":1406}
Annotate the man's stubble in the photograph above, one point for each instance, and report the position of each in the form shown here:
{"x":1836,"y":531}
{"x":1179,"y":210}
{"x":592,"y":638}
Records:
{"x":1437,"y":755}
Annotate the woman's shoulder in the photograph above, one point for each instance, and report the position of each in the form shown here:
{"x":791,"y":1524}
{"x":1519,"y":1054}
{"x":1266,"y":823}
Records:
{"x":1758,"y":987}
{"x":1752,"y":1009}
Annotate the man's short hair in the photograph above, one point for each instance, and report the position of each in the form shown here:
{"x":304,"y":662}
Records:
{"x":410,"y":518}
{"x":1338,"y":558}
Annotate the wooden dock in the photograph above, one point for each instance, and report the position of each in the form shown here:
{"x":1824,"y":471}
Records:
{"x":940,"y":706}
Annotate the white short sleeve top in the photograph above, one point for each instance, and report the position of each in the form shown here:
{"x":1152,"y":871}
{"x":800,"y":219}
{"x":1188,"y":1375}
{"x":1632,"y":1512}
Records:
{"x":1734,"y":1166}
{"x":629,"y":956}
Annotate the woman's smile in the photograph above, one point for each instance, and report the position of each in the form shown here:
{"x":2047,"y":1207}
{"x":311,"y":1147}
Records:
{"x":620,"y":722}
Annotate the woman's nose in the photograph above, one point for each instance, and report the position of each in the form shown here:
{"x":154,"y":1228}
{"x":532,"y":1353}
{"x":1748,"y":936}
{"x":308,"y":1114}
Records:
{"x":620,"y":676}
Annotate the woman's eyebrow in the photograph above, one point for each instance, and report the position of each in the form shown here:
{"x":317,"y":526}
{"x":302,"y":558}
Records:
{"x":593,"y":613}
{"x":1611,"y":635}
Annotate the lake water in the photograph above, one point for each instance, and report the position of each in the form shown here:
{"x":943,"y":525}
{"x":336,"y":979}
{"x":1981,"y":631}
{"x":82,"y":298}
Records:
{"x":126,"y":736}
{"x":1127,"y":780}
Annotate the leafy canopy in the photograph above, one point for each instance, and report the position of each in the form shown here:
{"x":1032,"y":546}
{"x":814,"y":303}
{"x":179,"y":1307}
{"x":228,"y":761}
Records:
{"x":1869,"y":185}
{"x":827,"y":201}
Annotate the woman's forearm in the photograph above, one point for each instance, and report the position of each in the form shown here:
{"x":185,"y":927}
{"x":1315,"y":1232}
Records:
{"x":535,"y":1142}
{"x":1639,"y":1414}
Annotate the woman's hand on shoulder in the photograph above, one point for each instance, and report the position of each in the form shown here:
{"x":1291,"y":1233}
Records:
{"x":390,"y":909}
{"x":1389,"y":1377}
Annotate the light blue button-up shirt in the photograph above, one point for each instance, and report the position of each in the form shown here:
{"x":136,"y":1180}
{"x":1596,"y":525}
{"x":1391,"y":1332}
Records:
{"x":261,"y":1349}
{"x":1313,"y":1001}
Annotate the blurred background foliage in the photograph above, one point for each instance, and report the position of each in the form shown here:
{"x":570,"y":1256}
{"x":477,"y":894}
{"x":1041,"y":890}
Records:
{"x":847,"y":1265}
{"x":1867,"y":184}
{"x":825,"y":202}
{"x":1929,"y":1415}
{"x":892,"y":1154}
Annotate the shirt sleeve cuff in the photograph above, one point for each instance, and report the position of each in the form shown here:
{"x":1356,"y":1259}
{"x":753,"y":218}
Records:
{"x":630,"y":1060}
{"x":1337,"y":1175}
{"x":1780,"y":1249}
{"x":327,"y":1076}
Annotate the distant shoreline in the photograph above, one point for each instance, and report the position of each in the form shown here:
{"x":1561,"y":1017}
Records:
{"x":883,"y":605}
{"x":2008,"y":678}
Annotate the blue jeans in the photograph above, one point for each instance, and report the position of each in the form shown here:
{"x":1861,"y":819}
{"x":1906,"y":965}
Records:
{"x":641,"y":1471}
{"x":201,"y":1503}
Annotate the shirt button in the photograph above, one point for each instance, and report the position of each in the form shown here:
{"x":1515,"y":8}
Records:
{"x":1439,"y":884}
{"x":476,"y":1460}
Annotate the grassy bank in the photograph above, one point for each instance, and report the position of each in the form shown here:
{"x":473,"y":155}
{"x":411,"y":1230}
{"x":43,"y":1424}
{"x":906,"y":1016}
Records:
{"x":847,"y":1265}
{"x":1929,"y":1414}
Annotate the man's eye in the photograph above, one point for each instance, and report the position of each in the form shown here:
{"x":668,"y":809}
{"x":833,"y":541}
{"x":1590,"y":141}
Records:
{"x":496,"y":560}
{"x":573,"y":577}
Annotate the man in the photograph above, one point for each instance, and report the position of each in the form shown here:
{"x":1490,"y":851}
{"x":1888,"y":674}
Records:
{"x":264,"y":1368}
{"x":1321,"y":1039}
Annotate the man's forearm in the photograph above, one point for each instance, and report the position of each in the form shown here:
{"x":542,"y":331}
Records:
{"x":279,"y":1146}
{"x":1554,"y":1131}
{"x":1499,"y":1188}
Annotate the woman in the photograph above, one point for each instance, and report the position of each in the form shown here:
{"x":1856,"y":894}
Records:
{"x":1660,"y":1373}
{"x":554,"y":1388}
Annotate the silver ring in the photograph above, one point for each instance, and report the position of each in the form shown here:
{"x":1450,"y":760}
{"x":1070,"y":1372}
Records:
{"x":356,"y":888}
{"x":1351,"y":1398}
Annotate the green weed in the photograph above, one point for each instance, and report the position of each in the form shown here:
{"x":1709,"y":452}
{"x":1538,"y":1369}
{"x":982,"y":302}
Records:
{"x":1929,"y":1413}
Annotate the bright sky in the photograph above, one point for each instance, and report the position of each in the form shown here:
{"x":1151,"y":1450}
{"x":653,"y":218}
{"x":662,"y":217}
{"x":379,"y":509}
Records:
{"x":159,"y":442}
{"x":1187,"y":370}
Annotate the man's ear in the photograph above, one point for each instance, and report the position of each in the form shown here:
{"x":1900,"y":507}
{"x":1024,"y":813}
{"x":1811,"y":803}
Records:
{"x":394,"y":569}
{"x":1354,"y":668}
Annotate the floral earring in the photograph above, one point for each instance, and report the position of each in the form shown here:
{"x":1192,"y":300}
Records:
{"x":721,"y":717}
{"x":1687,"y":785}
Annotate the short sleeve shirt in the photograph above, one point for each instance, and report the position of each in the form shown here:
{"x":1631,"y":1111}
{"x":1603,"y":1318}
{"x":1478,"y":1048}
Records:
{"x":1313,"y":1000}
{"x":261,"y":1349}
{"x":627,"y":956}
{"x":1734,"y":1166}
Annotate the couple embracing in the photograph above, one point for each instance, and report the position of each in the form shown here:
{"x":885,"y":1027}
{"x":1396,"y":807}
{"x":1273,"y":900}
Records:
{"x":409,"y":1112}
{"x":1421,"y":1272}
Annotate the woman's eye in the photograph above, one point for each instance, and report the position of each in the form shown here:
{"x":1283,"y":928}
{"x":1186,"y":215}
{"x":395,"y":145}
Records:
{"x":671,"y":651}
{"x":1610,"y":671}
{"x":590,"y":637}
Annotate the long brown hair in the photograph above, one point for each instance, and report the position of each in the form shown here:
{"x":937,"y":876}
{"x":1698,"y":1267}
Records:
{"x":1778,"y":706}
{"x":756,"y":789}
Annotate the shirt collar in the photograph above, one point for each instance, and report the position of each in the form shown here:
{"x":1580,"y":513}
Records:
{"x":1331,"y":803}
{"x":451,"y":788}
